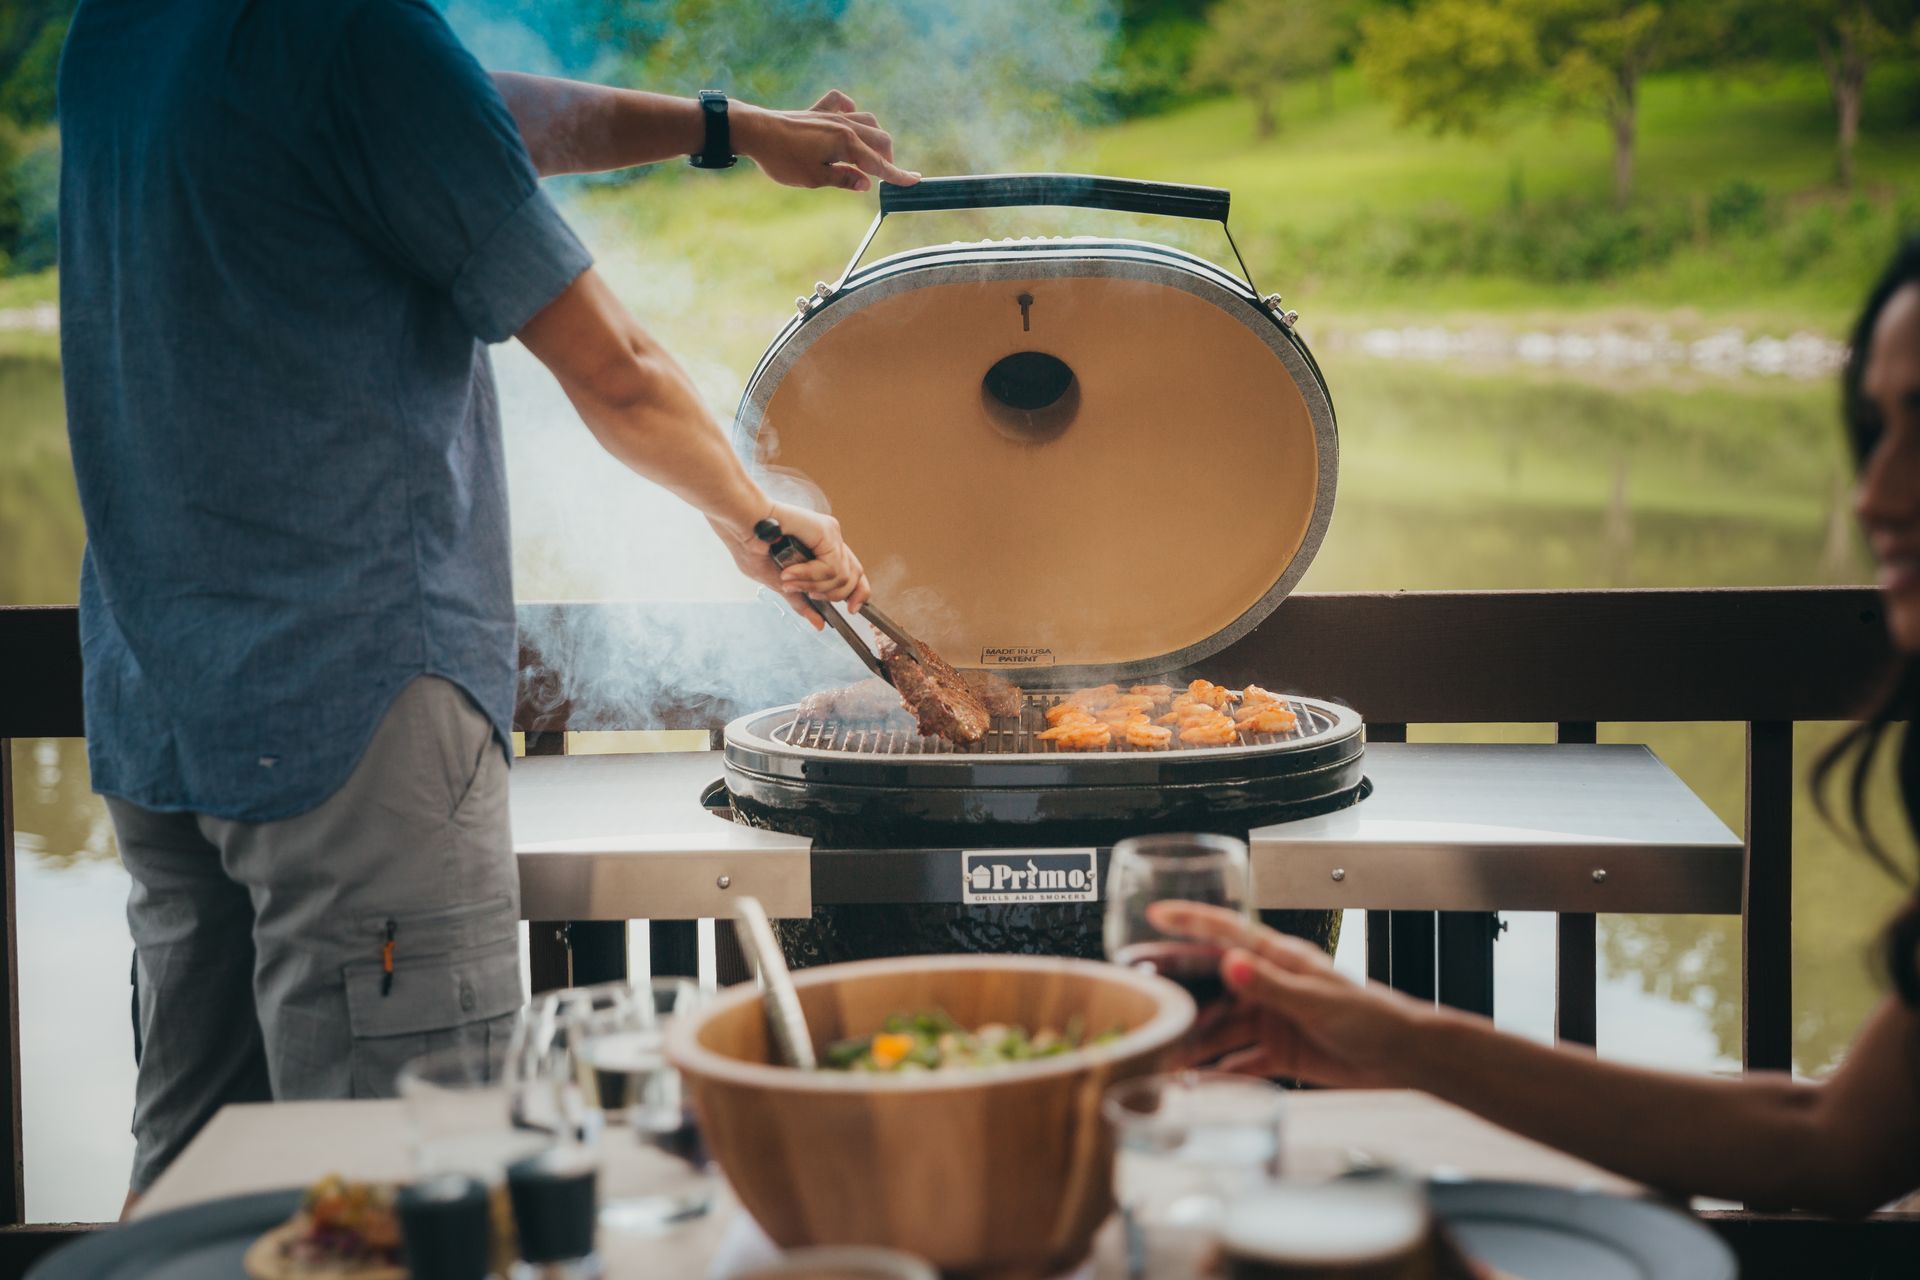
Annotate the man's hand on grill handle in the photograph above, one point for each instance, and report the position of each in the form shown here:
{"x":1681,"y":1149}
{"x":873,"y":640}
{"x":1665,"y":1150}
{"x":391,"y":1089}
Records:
{"x":830,"y":144}
{"x":834,"y":573}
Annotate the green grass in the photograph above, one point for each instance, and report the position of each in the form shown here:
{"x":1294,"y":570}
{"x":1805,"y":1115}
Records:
{"x":1330,"y":167}
{"x":1696,"y":131}
{"x":29,"y":291}
{"x":1319,"y":208}
{"x":18,"y":292}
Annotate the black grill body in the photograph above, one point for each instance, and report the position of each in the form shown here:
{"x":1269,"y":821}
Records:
{"x":862,"y":793}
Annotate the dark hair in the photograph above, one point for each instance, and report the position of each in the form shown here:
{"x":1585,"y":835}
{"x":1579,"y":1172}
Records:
{"x":1899,"y":699}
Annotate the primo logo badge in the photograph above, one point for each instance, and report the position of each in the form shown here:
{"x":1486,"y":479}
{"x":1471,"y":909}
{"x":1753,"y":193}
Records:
{"x":1030,"y":875}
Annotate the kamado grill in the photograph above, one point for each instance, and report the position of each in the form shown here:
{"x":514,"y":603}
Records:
{"x":855,"y":786}
{"x":1071,"y":461}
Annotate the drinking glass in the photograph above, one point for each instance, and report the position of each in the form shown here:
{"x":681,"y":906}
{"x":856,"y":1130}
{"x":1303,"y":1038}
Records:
{"x":1147,"y":869}
{"x":1188,"y":1144}
{"x":462,"y":1115}
{"x":617,"y":1042}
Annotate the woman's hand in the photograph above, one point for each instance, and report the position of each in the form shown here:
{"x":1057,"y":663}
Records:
{"x":833,"y":574}
{"x":1293,"y":1013}
{"x":830,"y":144}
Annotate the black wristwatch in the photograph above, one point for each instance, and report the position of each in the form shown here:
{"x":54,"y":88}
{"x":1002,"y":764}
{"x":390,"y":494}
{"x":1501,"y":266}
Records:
{"x":718,"y":151}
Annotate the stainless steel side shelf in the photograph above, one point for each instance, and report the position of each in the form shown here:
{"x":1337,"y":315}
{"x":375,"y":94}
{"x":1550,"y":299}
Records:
{"x":1563,"y":828}
{"x":1508,"y":827}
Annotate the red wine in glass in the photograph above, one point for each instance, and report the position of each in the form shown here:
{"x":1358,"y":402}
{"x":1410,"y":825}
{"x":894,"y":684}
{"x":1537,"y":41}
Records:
{"x":1193,"y":965}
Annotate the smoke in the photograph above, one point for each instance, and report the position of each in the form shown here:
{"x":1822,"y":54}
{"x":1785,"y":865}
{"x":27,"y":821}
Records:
{"x":981,"y":86}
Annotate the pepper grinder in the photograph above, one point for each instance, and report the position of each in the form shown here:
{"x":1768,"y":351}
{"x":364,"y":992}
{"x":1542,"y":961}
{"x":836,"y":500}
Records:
{"x":554,"y":1209}
{"x":445,"y":1230}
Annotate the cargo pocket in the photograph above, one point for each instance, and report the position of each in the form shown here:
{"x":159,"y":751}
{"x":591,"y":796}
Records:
{"x":461,"y":999}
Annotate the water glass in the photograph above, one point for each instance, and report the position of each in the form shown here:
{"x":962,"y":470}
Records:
{"x":461,"y":1114}
{"x":1149,"y":869}
{"x":617,"y":1041}
{"x":1188,"y":1144}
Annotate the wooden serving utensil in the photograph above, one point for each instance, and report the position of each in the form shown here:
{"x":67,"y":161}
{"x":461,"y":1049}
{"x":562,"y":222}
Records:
{"x":786,"y":1021}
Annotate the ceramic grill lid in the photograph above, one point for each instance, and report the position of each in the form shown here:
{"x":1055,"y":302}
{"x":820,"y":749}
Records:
{"x":1071,"y":458}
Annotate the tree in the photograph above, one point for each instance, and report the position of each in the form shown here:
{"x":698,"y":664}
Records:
{"x":1598,"y":52}
{"x":1453,"y":63}
{"x":1253,"y":47}
{"x":1450,"y":64}
{"x":1850,"y":37}
{"x":31,"y":32}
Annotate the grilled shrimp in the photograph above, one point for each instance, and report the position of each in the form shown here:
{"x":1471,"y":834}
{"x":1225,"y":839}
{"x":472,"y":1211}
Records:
{"x":1214,"y":695}
{"x":1078,"y":736}
{"x":1217,"y":732}
{"x":1146,"y":735}
{"x":1268,"y":719}
{"x":1254,"y":698}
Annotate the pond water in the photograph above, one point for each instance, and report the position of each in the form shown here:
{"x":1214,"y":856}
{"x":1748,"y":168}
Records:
{"x":1524,"y":474}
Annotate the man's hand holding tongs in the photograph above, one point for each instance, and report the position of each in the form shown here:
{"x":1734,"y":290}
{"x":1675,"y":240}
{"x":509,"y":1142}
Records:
{"x":834,"y":573}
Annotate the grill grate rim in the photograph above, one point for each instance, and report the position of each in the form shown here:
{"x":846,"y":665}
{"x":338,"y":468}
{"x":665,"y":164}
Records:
{"x":1011,"y":736}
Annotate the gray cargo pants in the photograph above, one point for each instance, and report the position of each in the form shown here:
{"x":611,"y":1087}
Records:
{"x":258,"y":946}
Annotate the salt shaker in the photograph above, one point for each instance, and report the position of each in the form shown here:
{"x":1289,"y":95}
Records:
{"x":554,"y":1210}
{"x":445,"y":1230}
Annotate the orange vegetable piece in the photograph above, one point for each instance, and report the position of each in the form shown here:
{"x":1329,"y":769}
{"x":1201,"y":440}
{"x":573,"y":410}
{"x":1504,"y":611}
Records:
{"x":889,"y":1048}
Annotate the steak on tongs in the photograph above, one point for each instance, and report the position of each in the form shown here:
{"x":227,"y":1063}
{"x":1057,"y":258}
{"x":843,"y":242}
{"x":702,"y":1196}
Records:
{"x":937,"y":695}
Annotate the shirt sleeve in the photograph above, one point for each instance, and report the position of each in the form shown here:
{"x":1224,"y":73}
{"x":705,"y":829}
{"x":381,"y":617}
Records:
{"x":425,"y":161}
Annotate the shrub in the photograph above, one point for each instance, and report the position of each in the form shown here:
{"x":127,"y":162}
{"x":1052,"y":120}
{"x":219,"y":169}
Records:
{"x":1737,"y":207}
{"x":1808,"y":238}
{"x":30,"y":192}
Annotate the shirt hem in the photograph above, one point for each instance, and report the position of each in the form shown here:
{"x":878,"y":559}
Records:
{"x":502,"y":733}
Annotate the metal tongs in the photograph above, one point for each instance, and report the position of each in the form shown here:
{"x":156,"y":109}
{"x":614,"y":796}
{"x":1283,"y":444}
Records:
{"x":785,"y":549}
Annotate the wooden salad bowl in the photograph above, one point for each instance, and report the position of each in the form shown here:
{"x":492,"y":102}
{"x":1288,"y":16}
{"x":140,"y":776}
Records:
{"x":1000,"y":1173}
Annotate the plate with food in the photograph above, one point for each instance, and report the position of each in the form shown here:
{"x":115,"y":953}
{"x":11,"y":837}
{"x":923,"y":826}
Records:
{"x":334,"y":1230}
{"x":342,"y":1231}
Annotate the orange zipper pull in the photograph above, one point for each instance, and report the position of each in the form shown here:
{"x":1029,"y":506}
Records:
{"x":386,"y":961}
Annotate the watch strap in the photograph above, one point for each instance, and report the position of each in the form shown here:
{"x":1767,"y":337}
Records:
{"x":717,"y":151}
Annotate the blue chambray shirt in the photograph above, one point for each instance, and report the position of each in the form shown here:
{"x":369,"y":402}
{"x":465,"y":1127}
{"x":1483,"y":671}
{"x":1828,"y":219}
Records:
{"x":287,"y":232}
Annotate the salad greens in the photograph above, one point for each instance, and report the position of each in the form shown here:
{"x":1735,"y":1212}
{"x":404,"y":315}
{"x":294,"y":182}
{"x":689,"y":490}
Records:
{"x":933,"y":1041}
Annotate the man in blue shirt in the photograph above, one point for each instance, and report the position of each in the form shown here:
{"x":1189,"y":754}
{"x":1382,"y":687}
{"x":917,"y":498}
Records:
{"x":288,"y":232}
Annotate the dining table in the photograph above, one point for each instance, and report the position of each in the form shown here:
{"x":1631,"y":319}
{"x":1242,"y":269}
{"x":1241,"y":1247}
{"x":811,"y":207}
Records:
{"x":252,"y":1147}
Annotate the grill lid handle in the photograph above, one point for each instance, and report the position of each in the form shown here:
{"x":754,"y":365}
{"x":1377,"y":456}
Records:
{"x":1027,"y":190}
{"x":1074,"y":190}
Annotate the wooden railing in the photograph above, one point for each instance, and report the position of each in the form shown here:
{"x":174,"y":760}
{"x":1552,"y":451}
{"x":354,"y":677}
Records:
{"x":1764,"y":657}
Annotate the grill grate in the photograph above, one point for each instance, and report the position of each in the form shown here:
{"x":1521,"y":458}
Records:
{"x":1008,"y":736}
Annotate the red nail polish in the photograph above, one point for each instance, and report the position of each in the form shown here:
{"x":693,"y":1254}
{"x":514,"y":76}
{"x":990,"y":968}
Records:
{"x":1238,"y":971}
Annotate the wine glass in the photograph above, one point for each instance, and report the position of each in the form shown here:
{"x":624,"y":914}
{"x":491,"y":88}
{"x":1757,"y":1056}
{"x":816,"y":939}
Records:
{"x":660,"y":1175}
{"x":1192,"y":868}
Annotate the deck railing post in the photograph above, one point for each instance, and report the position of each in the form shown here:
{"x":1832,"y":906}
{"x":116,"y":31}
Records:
{"x":549,"y":949}
{"x":1766,"y":916}
{"x":1466,"y":960}
{"x":13,"y":1178}
{"x":1576,"y":955}
{"x":1380,"y":923}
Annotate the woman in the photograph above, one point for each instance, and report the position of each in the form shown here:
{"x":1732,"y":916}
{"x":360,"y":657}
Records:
{"x":1844,"y":1146}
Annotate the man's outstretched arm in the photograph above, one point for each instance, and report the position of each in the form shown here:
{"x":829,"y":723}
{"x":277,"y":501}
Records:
{"x":573,"y":127}
{"x":642,"y":408}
